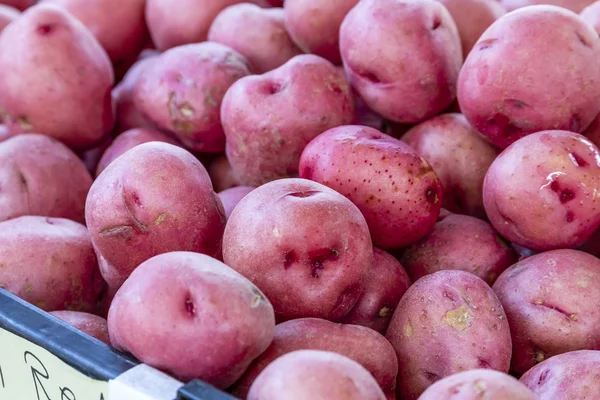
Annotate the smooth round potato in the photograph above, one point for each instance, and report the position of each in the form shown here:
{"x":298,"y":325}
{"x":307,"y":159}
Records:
{"x":127,"y":141}
{"x":66,"y":94}
{"x":182,"y":90}
{"x":460,"y":242}
{"x":506,"y":101}
{"x":591,"y":15}
{"x":361,"y":344}
{"x":311,"y":374}
{"x":221,"y":174}
{"x":257,"y":33}
{"x":304,"y":245}
{"x":199,"y":318}
{"x":393,"y":186}
{"x":478,"y":384}
{"x":315,"y":25}
{"x":540,"y":193}
{"x":7,"y":15}
{"x":459,"y":156}
{"x":573,"y":5}
{"x":447,"y":322}
{"x":550,"y":301}
{"x":568,"y":376}
{"x":472,"y":18}
{"x":41,"y":176}
{"x":50,"y":263}
{"x":232,"y":196}
{"x":402,"y":56}
{"x":91,"y":324}
{"x":154,"y":199}
{"x":18,"y":4}
{"x":268,"y":119}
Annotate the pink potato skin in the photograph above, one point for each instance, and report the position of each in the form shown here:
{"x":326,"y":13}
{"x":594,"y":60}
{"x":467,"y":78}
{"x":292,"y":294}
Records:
{"x":315,"y":25}
{"x":32,"y":177}
{"x":91,"y":324}
{"x":540,"y":193}
{"x":232,"y":196}
{"x":472,"y":18}
{"x":72,"y":73}
{"x":127,"y":141}
{"x":592,"y":246}
{"x":459,"y":156}
{"x":384,"y":287}
{"x":460,"y":242}
{"x":18,"y":4}
{"x":593,"y":131}
{"x":221,"y":174}
{"x":7,"y":15}
{"x":545,"y":97}
{"x":393,"y":186}
{"x":591,"y":15}
{"x":550,"y":302}
{"x":572,"y":375}
{"x":358,"y":343}
{"x":154,"y":199}
{"x":414,"y":78}
{"x":50,"y":263}
{"x":181,"y":92}
{"x":573,"y":5}
{"x":447,"y":322}
{"x":310,"y":374}
{"x":306,"y":246}
{"x":257,"y":33}
{"x":270,"y":118}
{"x":478,"y":384}
{"x":199,"y":319}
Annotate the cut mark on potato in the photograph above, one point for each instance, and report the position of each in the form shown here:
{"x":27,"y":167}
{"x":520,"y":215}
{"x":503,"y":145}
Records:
{"x":408,"y":329}
{"x":543,"y":376}
{"x":540,"y":355}
{"x":190,"y":308}
{"x":370,"y":76}
{"x":459,"y":318}
{"x":483,"y":363}
{"x":431,"y":376}
{"x":577,"y":160}
{"x":304,"y":194}
{"x":126,"y":202}
{"x":161,"y":218}
{"x":515,"y":103}
{"x":486,"y":44}
{"x":437,"y":22}
{"x":541,"y":303}
{"x":582,"y":39}
{"x":257,"y":299}
{"x":120,"y":230}
{"x":384,"y":312}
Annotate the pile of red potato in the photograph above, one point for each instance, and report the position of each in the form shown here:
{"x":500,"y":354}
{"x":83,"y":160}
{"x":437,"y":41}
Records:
{"x":312,"y":199}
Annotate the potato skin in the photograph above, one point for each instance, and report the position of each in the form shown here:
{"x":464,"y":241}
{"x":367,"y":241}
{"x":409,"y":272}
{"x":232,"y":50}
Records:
{"x":91,"y":157}
{"x":545,"y":98}
{"x":447,"y":322}
{"x":70,"y":71}
{"x":258,"y":34}
{"x":573,"y":5}
{"x":180,"y":325}
{"x":232,"y":196}
{"x":304,"y":245}
{"x":415,"y":77}
{"x":385,"y":285}
{"x":459,"y":156}
{"x":154,"y":199}
{"x":460,"y":242}
{"x":593,"y":131}
{"x":591,"y":15}
{"x":50,"y":263}
{"x":393,"y":186}
{"x":361,"y":344}
{"x":221,"y":174}
{"x":540,"y":192}
{"x":478,"y":384}
{"x":7,"y":15}
{"x":91,"y":324}
{"x":572,"y":375}
{"x":32,"y":177}
{"x":550,"y":302}
{"x":270,"y":118}
{"x":18,"y":4}
{"x":181,"y":92}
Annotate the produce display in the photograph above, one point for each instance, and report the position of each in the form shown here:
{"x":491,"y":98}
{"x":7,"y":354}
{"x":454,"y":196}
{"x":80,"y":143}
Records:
{"x":312,"y":199}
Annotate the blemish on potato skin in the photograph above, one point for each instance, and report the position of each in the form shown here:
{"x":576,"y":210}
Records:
{"x":190,"y":308}
{"x":540,"y":356}
{"x":120,"y":230}
{"x":161,"y":218}
{"x":408,"y":330}
{"x":459,"y":318}
{"x":384,"y":312}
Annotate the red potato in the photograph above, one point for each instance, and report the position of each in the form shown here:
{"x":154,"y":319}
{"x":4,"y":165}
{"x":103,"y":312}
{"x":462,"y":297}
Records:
{"x":199,"y":319}
{"x":309,"y":374}
{"x":182,"y":90}
{"x":127,"y":141}
{"x":154,"y":199}
{"x":573,"y":5}
{"x":258,"y":34}
{"x":459,"y":156}
{"x":91,"y":324}
{"x":221,"y":174}
{"x":315,"y":25}
{"x":41,"y":176}
{"x":363,"y":345}
{"x":413,"y":76}
{"x":478,"y":384}
{"x":7,"y":15}
{"x":447,"y":322}
{"x":568,"y":376}
{"x":550,"y":301}
{"x":540,"y":193}
{"x":460,"y":242}
{"x":393,"y":186}
{"x":591,"y":15}
{"x":506,"y":101}
{"x":366,"y":117}
{"x":4,"y":133}
{"x":67,"y":95}
{"x":91,"y":157}
{"x":50,"y":263}
{"x":592,"y":246}
{"x":232,"y":196}
{"x":18,"y":4}
{"x":270,"y":118}
{"x":306,"y":246}
{"x":593,"y":131}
